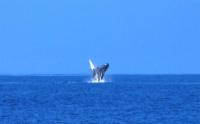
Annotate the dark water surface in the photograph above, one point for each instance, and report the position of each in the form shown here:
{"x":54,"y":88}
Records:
{"x":125,"y":99}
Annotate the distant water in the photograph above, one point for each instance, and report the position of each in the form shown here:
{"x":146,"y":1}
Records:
{"x":124,"y":99}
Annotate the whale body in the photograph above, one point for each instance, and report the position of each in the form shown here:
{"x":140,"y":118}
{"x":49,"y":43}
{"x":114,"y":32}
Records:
{"x":98,"y":72}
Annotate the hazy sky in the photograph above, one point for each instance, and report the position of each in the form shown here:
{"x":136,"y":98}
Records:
{"x":135,"y":37}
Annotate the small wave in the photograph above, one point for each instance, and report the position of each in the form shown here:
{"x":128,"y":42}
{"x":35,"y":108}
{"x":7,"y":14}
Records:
{"x":6,"y":83}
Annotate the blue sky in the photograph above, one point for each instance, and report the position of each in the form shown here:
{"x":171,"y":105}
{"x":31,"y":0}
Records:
{"x":135,"y":37}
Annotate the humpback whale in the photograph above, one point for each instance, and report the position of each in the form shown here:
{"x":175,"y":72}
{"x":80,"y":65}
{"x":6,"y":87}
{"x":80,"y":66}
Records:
{"x":98,"y":72}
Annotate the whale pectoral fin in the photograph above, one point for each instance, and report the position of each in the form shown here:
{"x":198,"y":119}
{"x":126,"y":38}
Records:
{"x":92,"y":66}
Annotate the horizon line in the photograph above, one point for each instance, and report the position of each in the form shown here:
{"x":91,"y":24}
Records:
{"x":114,"y":74}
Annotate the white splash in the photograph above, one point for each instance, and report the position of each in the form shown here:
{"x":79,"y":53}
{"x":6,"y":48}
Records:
{"x":96,"y":81}
{"x":107,"y":80}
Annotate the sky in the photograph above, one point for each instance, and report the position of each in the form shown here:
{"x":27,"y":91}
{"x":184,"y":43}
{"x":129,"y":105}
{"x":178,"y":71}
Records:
{"x":135,"y":37}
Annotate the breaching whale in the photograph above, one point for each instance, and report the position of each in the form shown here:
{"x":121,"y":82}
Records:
{"x":98,"y":72}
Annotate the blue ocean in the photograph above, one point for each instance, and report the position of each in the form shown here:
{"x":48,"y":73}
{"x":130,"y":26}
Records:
{"x":121,"y":99}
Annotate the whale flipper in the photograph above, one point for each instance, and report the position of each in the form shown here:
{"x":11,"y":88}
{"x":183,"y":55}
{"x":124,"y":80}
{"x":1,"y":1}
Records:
{"x":92,"y":66}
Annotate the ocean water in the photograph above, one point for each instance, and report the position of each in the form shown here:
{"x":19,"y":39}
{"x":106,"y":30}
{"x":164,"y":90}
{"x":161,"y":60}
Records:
{"x":122,"y":99}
